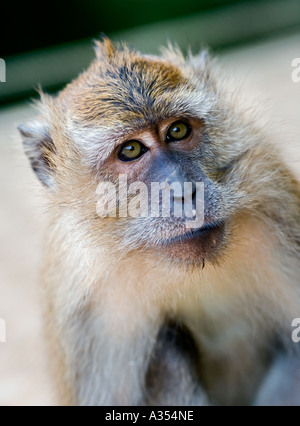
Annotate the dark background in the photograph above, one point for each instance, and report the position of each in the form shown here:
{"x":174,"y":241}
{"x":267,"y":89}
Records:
{"x":47,"y":44}
{"x":31,"y":25}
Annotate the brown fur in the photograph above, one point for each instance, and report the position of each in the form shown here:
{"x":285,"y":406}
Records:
{"x":110,"y":290}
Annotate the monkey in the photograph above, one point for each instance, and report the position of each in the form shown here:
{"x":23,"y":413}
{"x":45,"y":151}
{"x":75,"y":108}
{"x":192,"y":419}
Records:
{"x":143,"y":309}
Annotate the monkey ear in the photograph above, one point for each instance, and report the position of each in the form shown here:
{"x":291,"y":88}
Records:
{"x":202,"y":61}
{"x":39,"y":147}
{"x":104,"y":49}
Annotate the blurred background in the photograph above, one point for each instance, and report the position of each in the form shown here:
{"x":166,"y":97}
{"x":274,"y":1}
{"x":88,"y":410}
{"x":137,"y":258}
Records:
{"x":255,"y":41}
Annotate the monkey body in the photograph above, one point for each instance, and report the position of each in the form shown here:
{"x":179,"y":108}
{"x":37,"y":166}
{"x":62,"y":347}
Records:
{"x":139,"y":311}
{"x":131,"y":308}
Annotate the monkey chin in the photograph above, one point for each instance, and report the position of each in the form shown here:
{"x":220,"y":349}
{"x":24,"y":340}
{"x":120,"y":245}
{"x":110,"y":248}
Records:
{"x":197,"y":245}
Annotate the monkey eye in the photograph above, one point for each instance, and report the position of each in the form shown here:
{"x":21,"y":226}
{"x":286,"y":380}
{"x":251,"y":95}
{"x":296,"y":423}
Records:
{"x":131,"y":150}
{"x":178,"y":131}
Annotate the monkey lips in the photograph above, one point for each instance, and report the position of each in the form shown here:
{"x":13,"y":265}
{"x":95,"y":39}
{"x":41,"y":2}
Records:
{"x":196,"y":245}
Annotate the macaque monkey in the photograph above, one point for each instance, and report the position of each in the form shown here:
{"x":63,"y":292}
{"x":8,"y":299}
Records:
{"x":143,"y":309}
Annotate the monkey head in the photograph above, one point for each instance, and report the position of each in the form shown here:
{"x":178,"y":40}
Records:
{"x":148,"y":119}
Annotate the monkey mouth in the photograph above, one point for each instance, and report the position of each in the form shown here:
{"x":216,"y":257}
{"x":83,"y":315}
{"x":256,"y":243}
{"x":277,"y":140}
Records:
{"x":193,"y":233}
{"x":196,"y":245}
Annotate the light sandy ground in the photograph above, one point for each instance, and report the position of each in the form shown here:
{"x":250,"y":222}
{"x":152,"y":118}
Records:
{"x":266,"y":71}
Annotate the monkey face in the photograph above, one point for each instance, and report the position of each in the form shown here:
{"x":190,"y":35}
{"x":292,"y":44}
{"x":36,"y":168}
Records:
{"x":176,"y":220}
{"x":151,"y":120}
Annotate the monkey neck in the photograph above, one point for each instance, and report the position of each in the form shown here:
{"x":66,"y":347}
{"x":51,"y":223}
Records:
{"x":230,"y":307}
{"x":250,"y":270}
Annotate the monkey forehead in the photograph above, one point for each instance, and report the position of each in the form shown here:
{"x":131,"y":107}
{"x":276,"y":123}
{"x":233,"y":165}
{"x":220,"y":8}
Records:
{"x":113,"y":100}
{"x":140,"y":91}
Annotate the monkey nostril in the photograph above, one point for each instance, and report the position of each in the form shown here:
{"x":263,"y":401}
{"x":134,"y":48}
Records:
{"x":189,"y":194}
{"x":186,"y":194}
{"x":194,"y":193}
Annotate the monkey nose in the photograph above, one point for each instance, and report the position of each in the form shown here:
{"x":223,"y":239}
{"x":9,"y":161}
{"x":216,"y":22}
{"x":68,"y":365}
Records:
{"x":184,"y":200}
{"x":186,"y":194}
